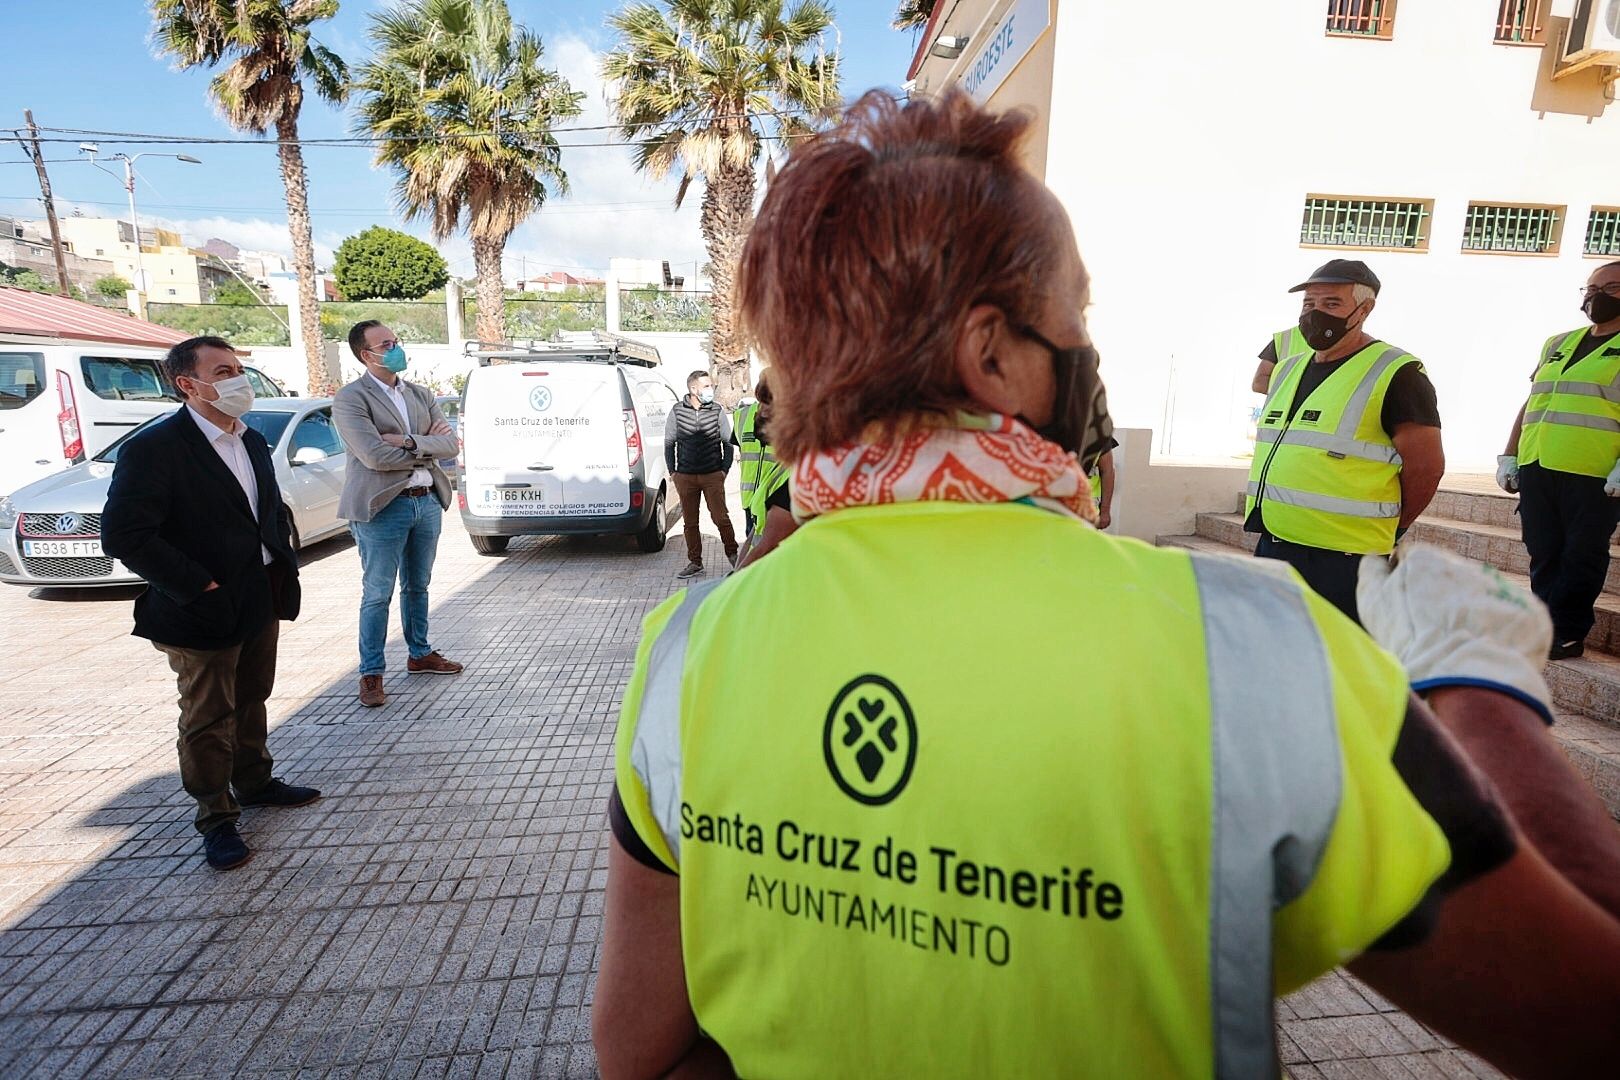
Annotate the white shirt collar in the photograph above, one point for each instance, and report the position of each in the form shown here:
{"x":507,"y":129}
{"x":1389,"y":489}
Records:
{"x":397,"y":388}
{"x":210,"y":430}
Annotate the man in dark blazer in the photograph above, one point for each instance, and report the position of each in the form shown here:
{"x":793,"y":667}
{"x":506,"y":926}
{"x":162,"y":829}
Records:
{"x":195,"y":509}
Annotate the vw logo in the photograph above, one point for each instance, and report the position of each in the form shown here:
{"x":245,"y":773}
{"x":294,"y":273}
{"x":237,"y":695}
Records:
{"x":540,"y":398}
{"x":68,"y":524}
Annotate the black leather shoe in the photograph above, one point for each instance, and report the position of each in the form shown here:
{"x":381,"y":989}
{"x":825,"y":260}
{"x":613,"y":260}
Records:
{"x":280,"y":793}
{"x":224,"y":849}
{"x":1567,"y":650}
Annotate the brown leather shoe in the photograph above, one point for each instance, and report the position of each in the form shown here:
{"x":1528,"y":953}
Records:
{"x":371,"y":691}
{"x":432,"y":664}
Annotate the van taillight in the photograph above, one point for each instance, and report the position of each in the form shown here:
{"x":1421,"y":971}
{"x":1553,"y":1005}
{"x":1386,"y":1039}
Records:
{"x":632,"y":437}
{"x":67,"y":420}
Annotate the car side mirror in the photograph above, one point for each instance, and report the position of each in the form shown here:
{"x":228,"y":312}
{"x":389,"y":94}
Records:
{"x":310,"y":455}
{"x":290,"y":393}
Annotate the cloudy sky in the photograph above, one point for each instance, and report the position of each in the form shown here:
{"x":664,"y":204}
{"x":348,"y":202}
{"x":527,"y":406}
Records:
{"x":115,"y":84}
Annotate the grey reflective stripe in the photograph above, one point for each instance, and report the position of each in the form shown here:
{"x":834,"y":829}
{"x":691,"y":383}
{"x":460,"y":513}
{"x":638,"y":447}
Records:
{"x":1357,"y":405}
{"x":1282,"y":375}
{"x":1332,"y":504}
{"x":1337,"y":444}
{"x":1276,"y":784}
{"x":752,"y":455}
{"x":655,"y":752}
{"x":1606,"y":391}
{"x":1571,"y":419}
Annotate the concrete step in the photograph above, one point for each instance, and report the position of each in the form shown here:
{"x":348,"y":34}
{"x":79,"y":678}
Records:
{"x":1498,"y":545}
{"x":1498,"y":509}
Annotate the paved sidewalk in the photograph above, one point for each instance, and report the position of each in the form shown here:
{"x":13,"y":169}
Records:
{"x":437,"y":914}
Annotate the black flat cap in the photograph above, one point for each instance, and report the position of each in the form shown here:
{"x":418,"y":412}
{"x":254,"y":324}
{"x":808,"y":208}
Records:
{"x":1341,"y":272}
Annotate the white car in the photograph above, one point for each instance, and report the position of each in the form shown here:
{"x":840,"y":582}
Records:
{"x":50,"y":530}
{"x":62,"y":403}
{"x":565,"y":439}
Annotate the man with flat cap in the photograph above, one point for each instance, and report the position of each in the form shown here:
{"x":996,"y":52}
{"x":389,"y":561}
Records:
{"x":1347,"y":452}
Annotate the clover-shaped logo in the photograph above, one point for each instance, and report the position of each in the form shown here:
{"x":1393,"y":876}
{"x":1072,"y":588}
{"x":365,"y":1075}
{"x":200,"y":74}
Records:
{"x":870,"y":740}
{"x":540,"y":398}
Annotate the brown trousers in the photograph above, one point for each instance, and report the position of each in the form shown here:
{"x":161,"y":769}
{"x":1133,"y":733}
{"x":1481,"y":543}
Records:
{"x":223,"y":723}
{"x":709,"y":488}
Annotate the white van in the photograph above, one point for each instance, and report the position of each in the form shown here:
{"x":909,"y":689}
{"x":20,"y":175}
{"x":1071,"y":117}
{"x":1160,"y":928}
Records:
{"x":565,"y":439}
{"x":64,"y":402}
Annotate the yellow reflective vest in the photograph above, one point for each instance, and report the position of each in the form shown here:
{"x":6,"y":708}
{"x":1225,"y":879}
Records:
{"x":1329,"y":477}
{"x":773,"y":476}
{"x":751,"y":452}
{"x":1572,"y":420}
{"x":943,"y":851}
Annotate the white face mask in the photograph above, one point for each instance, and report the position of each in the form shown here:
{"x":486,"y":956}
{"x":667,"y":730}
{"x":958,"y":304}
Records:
{"x":235,"y":396}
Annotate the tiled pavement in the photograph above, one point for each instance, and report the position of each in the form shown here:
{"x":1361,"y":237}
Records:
{"x":437,"y":913}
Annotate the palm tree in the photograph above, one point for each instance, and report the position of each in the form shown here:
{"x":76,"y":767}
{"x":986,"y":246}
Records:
{"x":271,"y":54}
{"x":464,"y":108}
{"x":695,"y":86}
{"x":913,"y":14}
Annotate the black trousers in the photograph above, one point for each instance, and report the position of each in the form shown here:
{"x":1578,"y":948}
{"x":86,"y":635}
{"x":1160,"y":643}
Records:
{"x":1567,"y":524}
{"x":1332,"y":574}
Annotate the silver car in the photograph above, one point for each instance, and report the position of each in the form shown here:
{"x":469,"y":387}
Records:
{"x":50,"y":530}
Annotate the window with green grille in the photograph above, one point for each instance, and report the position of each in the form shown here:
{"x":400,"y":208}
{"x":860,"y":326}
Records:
{"x":1522,"y":22}
{"x":1518,"y":230}
{"x":1603,"y":231}
{"x":1350,"y":222}
{"x":1362,"y":18}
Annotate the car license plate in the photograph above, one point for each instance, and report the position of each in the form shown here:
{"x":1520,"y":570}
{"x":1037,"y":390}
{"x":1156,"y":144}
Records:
{"x":513,"y":496}
{"x":62,"y":549}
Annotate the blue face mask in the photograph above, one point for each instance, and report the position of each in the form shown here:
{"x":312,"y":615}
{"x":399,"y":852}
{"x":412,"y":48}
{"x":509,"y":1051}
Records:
{"x":706,"y":396}
{"x":394,"y":359}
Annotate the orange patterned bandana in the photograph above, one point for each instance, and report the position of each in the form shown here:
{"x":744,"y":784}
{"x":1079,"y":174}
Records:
{"x":982,"y":459}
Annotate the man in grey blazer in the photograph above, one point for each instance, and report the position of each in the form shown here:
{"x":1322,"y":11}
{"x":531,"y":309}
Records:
{"x":394,"y":497}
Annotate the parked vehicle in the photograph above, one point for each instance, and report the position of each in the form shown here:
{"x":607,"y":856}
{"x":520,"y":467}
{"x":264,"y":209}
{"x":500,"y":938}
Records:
{"x":450,"y":405}
{"x":50,"y":530}
{"x":62,"y":403}
{"x":565,"y":439}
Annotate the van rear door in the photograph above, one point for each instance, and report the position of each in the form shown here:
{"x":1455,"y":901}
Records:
{"x":546,"y":439}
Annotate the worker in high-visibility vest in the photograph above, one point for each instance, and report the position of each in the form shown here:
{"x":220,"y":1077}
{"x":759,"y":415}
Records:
{"x":953,"y":785}
{"x":771,"y":503}
{"x":1347,"y":450}
{"x":1563,"y":460}
{"x":1100,"y":470}
{"x":752,"y":453}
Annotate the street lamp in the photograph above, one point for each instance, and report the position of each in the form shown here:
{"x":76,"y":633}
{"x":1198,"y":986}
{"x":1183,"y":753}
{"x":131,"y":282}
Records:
{"x":90,"y":149}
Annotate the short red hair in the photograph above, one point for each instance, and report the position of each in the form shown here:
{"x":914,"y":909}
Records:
{"x":873,"y":243}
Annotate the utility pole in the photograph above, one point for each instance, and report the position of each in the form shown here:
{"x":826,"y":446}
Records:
{"x":32,"y":147}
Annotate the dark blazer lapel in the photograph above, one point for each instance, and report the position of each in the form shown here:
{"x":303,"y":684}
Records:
{"x":213,"y":465}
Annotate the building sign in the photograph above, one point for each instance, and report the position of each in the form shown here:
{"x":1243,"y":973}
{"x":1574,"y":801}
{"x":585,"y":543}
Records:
{"x":1009,"y":42}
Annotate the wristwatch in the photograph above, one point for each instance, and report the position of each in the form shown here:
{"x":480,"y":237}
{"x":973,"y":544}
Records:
{"x":410,"y":443}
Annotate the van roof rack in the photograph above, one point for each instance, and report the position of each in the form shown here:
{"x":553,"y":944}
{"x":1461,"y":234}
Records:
{"x":595,"y":345}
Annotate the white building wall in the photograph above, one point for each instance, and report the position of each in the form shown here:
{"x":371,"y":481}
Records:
{"x":1183,"y":143}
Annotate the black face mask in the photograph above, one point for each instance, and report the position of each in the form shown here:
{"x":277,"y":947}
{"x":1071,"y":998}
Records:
{"x":1323,"y":331}
{"x":1601,"y":307}
{"x":1080,"y":419}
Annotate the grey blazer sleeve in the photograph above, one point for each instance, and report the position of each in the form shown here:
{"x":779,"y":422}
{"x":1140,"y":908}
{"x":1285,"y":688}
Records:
{"x":434,"y":446}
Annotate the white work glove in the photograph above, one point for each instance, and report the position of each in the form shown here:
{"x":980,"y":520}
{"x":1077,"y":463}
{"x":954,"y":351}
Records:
{"x":1507,"y":474}
{"x":1611,"y":486}
{"x":1454,"y":622}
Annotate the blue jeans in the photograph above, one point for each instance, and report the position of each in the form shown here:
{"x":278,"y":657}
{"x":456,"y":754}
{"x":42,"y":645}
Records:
{"x":398,"y":543}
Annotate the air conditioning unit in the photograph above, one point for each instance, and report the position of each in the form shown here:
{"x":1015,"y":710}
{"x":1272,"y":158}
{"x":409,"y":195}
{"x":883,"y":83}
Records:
{"x":1594,"y":34}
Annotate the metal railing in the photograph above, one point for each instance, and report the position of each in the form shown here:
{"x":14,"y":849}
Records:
{"x":1361,"y":18}
{"x":1402,"y":224}
{"x":1517,"y":230}
{"x":1603,"y":231}
{"x":1522,"y":22}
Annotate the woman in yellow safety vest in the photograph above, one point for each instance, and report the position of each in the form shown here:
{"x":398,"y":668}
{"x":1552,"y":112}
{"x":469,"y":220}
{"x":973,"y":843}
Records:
{"x":1022,"y":799}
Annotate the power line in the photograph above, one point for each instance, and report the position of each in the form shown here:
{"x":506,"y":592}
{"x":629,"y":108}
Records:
{"x":549,"y":210}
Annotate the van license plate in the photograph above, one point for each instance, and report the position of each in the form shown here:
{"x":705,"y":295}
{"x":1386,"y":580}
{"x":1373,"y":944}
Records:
{"x":62,"y":549}
{"x":514,"y":498}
